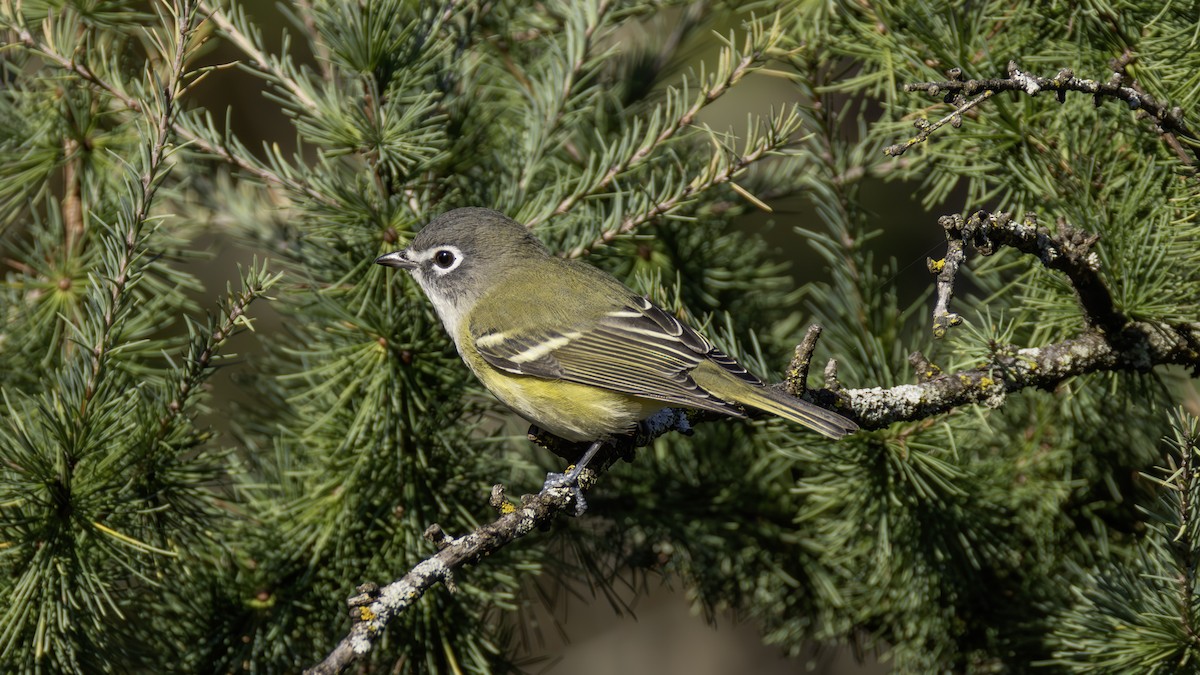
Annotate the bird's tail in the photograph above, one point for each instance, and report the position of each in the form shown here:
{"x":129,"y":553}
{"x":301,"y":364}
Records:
{"x":820,"y":420}
{"x":724,"y":385}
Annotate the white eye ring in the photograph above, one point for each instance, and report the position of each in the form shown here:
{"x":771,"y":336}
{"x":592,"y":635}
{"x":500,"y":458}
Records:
{"x":445,"y":259}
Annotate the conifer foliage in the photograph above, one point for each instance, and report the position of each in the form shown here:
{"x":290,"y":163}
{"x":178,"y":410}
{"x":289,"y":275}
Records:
{"x":1024,"y":493}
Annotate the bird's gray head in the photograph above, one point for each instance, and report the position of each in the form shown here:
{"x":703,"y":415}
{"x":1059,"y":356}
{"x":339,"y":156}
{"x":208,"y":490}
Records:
{"x":461,"y":254}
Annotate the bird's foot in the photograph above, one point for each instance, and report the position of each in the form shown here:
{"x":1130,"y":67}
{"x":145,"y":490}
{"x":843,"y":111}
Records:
{"x":568,"y":480}
{"x":571,"y":478}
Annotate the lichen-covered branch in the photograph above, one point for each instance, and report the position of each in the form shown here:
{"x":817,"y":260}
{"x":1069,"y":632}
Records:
{"x":374,"y":608}
{"x":925,"y":128}
{"x":1109,"y":343}
{"x":796,"y":376}
{"x":1145,"y":346}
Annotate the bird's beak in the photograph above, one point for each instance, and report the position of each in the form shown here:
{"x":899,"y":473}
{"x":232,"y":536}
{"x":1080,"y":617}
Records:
{"x":396,"y":259}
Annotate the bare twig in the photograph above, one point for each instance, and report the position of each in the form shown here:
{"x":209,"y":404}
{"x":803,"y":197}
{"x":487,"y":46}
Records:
{"x":924,"y":370}
{"x":796,"y":380}
{"x":946,"y":270}
{"x":925,"y":129}
{"x":1169,"y":120}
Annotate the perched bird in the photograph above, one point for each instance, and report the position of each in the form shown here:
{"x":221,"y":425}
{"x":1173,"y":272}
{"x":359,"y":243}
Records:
{"x":567,"y":346}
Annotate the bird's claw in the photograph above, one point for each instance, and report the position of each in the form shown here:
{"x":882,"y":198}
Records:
{"x":571,"y":481}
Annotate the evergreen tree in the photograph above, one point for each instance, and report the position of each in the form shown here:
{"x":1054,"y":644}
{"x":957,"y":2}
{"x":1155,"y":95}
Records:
{"x":1023,"y":495}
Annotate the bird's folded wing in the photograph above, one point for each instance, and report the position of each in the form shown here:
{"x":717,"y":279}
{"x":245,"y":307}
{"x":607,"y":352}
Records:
{"x":637,"y":349}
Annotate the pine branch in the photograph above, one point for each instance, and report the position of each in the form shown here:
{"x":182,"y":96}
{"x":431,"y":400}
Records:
{"x":580,"y":35}
{"x":206,"y":344}
{"x":150,"y":179}
{"x":303,"y":13}
{"x":1186,"y":484}
{"x":237,"y":30}
{"x":777,"y":136}
{"x":216,"y":148}
{"x":1139,"y":612}
{"x":732,"y":67}
{"x":1168,"y":119}
{"x":230,"y":151}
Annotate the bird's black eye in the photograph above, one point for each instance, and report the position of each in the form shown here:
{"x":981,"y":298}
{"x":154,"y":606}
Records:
{"x":443,"y":258}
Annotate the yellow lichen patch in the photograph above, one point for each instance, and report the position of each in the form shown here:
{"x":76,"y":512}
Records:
{"x":365,"y":614}
{"x":506,"y":508}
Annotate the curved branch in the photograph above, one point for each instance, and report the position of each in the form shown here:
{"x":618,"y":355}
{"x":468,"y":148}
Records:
{"x":1068,"y":251}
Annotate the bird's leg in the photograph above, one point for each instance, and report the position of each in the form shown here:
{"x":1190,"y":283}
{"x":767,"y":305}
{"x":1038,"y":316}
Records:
{"x":573,"y":475}
{"x":571,"y":478}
